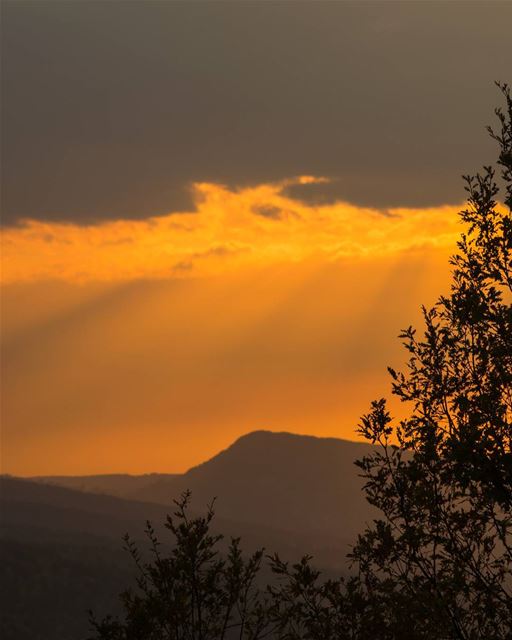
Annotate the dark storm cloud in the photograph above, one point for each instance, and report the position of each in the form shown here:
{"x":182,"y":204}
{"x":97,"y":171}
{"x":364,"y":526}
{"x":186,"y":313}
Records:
{"x":113,"y":109}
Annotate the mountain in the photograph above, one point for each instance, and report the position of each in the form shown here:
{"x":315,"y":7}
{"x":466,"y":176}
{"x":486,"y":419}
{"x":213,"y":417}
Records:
{"x":33,"y":509}
{"x":288,"y":482}
{"x":61,"y":550}
{"x":121,"y":485}
{"x":297,"y":483}
{"x":61,"y":554}
{"x":36,"y":512}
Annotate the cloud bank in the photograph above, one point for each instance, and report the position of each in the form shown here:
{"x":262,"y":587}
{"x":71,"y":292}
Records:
{"x":230,"y":230}
{"x":112,"y":110}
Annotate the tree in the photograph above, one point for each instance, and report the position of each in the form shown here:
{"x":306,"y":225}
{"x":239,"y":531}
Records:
{"x":438,"y":562}
{"x":193,"y":592}
{"x":443,"y":477}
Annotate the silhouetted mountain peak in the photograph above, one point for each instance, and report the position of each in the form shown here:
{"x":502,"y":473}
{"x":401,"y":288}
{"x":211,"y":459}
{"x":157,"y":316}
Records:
{"x":280,"y":454}
{"x":278,"y":438}
{"x":281,"y":480}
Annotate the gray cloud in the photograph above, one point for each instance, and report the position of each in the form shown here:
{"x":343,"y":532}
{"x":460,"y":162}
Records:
{"x":267,"y":211}
{"x":113,"y":109}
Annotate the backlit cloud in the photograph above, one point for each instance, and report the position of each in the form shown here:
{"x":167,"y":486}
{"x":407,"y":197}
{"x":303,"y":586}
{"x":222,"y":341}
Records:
{"x":230,"y":230}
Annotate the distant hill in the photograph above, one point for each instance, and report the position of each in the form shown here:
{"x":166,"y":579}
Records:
{"x":61,"y":554}
{"x":121,"y":485}
{"x":33,"y":511}
{"x":61,"y":549}
{"x":299,"y":484}
{"x":36,"y":509}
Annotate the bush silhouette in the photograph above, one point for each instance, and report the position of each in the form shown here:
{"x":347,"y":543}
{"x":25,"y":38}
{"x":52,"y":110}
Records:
{"x":193,"y":591}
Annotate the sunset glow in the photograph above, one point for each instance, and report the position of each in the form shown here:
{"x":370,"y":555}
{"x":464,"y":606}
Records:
{"x":166,"y":338}
{"x":229,"y":231}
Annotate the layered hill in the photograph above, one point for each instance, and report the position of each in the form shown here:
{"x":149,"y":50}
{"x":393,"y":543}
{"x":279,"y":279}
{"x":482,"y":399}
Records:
{"x":34,"y":512}
{"x":282,"y":481}
{"x":61,"y":549}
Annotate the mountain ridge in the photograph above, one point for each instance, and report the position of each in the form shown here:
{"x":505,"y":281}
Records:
{"x":286,"y":481}
{"x":289,"y":494}
{"x":246,"y":437}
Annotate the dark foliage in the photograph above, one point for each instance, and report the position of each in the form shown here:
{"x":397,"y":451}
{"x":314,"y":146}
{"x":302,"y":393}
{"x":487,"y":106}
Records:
{"x":192,"y":592}
{"x":443,"y":477}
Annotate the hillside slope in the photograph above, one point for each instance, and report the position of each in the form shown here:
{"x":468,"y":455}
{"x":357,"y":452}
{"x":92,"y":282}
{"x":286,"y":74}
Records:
{"x":300,"y":484}
{"x":61,"y":554}
{"x":61,"y":537}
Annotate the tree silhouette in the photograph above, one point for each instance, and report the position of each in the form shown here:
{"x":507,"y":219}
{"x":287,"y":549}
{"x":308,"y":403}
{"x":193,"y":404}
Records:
{"x":192,"y":592}
{"x":442,"y":478}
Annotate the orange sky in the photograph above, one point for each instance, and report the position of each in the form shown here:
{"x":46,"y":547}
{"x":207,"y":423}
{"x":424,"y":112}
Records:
{"x":137,"y":346}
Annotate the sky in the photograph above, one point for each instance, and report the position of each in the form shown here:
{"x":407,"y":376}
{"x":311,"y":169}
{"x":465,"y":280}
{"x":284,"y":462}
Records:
{"x":217,"y":216}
